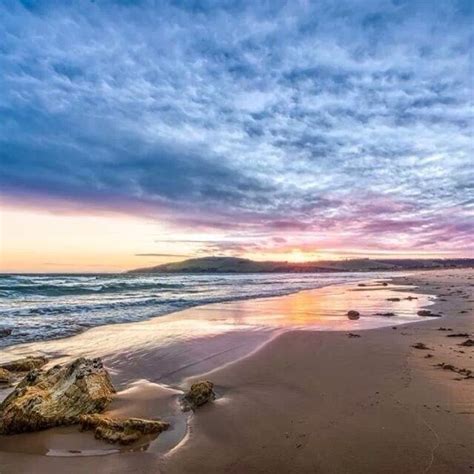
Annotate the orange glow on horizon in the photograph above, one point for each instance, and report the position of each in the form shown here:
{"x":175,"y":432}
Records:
{"x":45,"y":242}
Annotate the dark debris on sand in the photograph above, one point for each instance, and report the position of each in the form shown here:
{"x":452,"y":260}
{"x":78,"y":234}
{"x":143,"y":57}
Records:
{"x":466,"y":373}
{"x":422,"y":346}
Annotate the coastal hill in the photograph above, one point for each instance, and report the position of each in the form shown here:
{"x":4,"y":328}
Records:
{"x":244,"y":265}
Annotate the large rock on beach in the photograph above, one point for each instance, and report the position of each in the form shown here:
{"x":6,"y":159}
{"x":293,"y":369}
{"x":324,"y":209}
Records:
{"x":199,"y":394}
{"x":121,"y":431}
{"x":26,"y":364}
{"x":55,"y":397}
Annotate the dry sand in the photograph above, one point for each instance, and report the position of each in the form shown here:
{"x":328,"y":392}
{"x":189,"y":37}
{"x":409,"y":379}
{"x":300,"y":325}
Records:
{"x":316,"y":401}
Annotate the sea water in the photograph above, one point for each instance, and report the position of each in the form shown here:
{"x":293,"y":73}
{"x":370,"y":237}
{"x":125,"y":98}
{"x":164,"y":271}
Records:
{"x":41,"y":307}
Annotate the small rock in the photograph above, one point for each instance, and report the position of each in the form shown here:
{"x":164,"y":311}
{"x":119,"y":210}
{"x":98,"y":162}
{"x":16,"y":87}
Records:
{"x":428,"y":356}
{"x":361,"y":284}
{"x":5,"y":378}
{"x":199,"y":394}
{"x":351,"y":334}
{"x":353,"y":314}
{"x":386,"y":315}
{"x":393,"y":299}
{"x":4,"y":332}
{"x":426,"y":313}
{"x":420,"y":345}
{"x":444,"y":329}
{"x":467,"y":343}
{"x":458,"y":334}
{"x":26,"y":364}
{"x":409,"y":298}
{"x":122,"y":431}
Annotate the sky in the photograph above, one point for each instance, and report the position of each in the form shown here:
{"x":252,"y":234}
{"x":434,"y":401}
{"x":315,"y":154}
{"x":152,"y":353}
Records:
{"x":135,"y":133}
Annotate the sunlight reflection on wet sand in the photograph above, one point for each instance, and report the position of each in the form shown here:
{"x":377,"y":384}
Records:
{"x":324,"y":308}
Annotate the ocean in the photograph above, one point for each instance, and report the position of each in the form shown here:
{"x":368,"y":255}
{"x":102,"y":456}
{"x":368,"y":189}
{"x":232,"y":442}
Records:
{"x":41,"y":307}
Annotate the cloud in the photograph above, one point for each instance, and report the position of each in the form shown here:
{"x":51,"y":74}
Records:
{"x":301,"y":118}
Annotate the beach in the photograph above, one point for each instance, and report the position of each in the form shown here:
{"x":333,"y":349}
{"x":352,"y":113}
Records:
{"x":236,"y":237}
{"x":296,"y":392}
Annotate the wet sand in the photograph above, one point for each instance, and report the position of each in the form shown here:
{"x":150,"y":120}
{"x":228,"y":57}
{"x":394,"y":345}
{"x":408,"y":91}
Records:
{"x":307,"y":401}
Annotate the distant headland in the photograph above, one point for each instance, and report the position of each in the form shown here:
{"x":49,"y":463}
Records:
{"x":244,"y":265}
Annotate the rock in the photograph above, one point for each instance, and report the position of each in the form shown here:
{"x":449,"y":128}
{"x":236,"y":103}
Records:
{"x":428,"y":356}
{"x":199,"y":394}
{"x":410,"y":298}
{"x":427,"y":312}
{"x":361,"y":284}
{"x":4,"y":332}
{"x":420,"y":345}
{"x":444,"y":329}
{"x":5,"y":377}
{"x":384,"y":284}
{"x":458,"y":334}
{"x":351,"y":334}
{"x":26,"y":364}
{"x":58,"y":396}
{"x":353,"y":314}
{"x":387,"y":315}
{"x":122,"y":431}
{"x":393,"y":299}
{"x":467,"y":343}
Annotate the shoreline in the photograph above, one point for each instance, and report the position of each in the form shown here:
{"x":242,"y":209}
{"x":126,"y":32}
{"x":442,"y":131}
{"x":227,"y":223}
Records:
{"x":239,"y":392}
{"x":364,"y":276}
{"x":244,"y":325}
